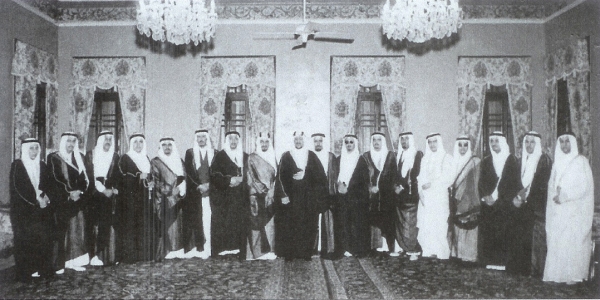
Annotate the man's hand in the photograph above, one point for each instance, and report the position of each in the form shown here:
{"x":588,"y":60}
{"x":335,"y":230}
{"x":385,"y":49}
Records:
{"x":115,"y":191}
{"x":374,"y":189}
{"x":488,"y":200}
{"x":150,"y":185}
{"x":285,"y":200}
{"x":235,"y":181}
{"x":399,"y":188}
{"x":143,"y":175}
{"x":556,"y":198}
{"x":203,"y":188}
{"x":108,"y":193}
{"x":43,"y":201}
{"x":426,"y":186}
{"x":342,"y":188}
{"x":518,"y":201}
{"x":75,"y":195}
{"x":299,"y":175}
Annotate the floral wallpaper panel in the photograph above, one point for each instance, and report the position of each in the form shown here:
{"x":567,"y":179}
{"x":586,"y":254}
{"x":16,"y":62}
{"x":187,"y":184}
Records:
{"x":31,"y":66}
{"x":475,"y":74}
{"x":347,"y":74}
{"x":126,"y":74}
{"x":257,"y":73}
{"x":25,"y":100}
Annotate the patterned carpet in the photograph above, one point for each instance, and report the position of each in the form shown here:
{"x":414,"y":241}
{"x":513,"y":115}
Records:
{"x":376,"y":277}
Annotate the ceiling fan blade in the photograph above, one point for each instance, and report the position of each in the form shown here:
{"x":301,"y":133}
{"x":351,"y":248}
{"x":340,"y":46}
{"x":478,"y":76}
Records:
{"x":332,"y":37}
{"x":274,"y":36}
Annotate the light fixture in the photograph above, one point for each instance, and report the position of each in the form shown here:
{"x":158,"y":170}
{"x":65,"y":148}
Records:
{"x":421,"y":20}
{"x":177,"y":21}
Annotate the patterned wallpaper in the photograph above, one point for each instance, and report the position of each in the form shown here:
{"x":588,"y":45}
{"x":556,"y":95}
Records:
{"x":77,"y":12}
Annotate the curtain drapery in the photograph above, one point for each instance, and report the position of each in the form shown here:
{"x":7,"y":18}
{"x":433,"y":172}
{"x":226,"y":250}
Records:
{"x":572,"y":64}
{"x":475,"y":74}
{"x":258,"y":74}
{"x":31,"y":66}
{"x":126,"y":75}
{"x":347,"y":74}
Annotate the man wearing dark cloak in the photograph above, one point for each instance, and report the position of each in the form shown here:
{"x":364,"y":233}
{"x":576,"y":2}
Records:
{"x":530,"y":208}
{"x":408,"y":162}
{"x":138,"y":220}
{"x":229,"y":198}
{"x":101,"y":228}
{"x":328,"y":242}
{"x":301,"y":181}
{"x":499,"y":183}
{"x":67,"y":193}
{"x":382,"y":177}
{"x":30,"y":216}
{"x":196,"y":210}
{"x":353,"y":199}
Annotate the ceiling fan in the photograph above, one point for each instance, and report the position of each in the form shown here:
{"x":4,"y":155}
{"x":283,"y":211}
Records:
{"x":305,"y":32}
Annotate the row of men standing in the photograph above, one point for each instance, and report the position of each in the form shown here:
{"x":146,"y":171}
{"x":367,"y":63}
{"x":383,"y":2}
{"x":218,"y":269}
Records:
{"x":228,"y":202}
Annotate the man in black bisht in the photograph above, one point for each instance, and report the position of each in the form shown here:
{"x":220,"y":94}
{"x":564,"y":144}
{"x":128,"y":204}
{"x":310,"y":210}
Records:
{"x":229,"y":198}
{"x":102,"y":165}
{"x":499,"y":183}
{"x":301,"y":181}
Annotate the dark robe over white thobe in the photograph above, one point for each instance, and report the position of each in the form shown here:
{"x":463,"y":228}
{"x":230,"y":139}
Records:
{"x":167,"y":207}
{"x":354,"y":209}
{"x":193,"y":230}
{"x":261,"y":185}
{"x":494,"y":238}
{"x":101,"y":212}
{"x":330,"y":242}
{"x":139,"y":223}
{"x":407,"y":205}
{"x":32,"y":225}
{"x":69,"y":216}
{"x":524,"y":217}
{"x":296,"y":223}
{"x":230,"y":205}
{"x":381,"y":204}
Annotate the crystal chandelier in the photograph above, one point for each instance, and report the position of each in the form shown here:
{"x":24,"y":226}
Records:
{"x":177,"y":21}
{"x":421,"y":20}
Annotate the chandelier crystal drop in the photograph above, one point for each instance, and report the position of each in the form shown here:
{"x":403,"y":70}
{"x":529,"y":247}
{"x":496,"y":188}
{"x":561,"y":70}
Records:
{"x":421,"y":20}
{"x":177,"y":21}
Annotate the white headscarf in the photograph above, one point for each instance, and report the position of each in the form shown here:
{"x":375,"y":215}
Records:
{"x":529,"y":162}
{"x":323,"y":155}
{"x":459,"y":161}
{"x":173,"y":160}
{"x":433,"y":160}
{"x":269,"y":155}
{"x":408,"y":155}
{"x":62,"y":151}
{"x":379,"y":157}
{"x":102,"y":159}
{"x":499,"y":158}
{"x":140,"y":159}
{"x":562,"y":160}
{"x":300,"y":156}
{"x":208,"y":149}
{"x":348,"y":161}
{"x":237,"y":155}
{"x":32,"y":166}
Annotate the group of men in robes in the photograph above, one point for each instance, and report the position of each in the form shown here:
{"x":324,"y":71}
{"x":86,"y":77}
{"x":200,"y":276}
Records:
{"x":502,"y":211}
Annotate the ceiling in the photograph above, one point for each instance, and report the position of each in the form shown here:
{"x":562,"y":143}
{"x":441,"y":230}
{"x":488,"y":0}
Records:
{"x":68,"y":11}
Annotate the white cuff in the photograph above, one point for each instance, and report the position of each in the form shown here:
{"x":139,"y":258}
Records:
{"x":99,"y":186}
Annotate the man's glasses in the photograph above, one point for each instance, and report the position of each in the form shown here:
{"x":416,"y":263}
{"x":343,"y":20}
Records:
{"x":348,"y":142}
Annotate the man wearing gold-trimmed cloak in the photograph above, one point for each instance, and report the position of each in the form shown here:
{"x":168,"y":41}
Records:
{"x":262,"y":171}
{"x":69,"y":184}
{"x":168,"y":174}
